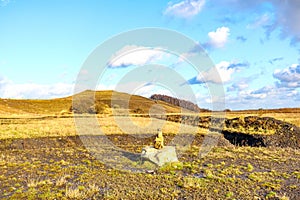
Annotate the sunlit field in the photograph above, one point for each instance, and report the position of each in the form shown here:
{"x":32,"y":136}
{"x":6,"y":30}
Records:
{"x":49,"y":152}
{"x":45,"y":156}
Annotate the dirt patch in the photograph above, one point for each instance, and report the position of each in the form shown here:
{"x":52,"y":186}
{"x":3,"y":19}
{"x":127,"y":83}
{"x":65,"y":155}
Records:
{"x":132,"y":143}
{"x":241,"y":139}
{"x":247,"y":131}
{"x":243,"y":131}
{"x":41,"y":171}
{"x":265,"y":132}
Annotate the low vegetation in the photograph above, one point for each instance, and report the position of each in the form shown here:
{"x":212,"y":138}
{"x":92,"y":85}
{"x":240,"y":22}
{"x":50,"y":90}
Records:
{"x":71,"y":172}
{"x":42,"y":155}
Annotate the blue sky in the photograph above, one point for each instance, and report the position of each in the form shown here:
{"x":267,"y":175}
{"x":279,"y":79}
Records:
{"x":255,"y":45}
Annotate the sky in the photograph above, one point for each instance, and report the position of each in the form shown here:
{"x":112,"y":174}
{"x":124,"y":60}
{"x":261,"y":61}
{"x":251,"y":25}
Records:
{"x":254,"y":47}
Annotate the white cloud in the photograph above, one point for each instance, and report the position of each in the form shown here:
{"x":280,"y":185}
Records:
{"x":241,"y":85}
{"x":224,"y":69}
{"x":219,"y":38}
{"x":142,"y":88}
{"x":8,"y":89}
{"x":293,"y":93}
{"x":134,"y":55}
{"x":105,"y":87}
{"x":185,"y":9}
{"x":149,"y":89}
{"x":266,"y":97}
{"x":288,"y":77}
{"x":251,"y":94}
{"x":3,"y":81}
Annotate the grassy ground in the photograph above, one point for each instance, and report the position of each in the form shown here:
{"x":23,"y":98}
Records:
{"x":62,"y":168}
{"x":42,"y":157}
{"x":225,"y":173}
{"x":24,"y":126}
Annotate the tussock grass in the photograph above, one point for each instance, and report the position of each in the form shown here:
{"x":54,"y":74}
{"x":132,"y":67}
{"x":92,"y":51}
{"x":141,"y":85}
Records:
{"x":70,"y":171}
{"x":288,"y":115}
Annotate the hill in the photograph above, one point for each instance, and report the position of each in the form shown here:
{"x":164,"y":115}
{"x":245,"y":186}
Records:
{"x":103,"y":100}
{"x":26,"y":106}
{"x":118,"y":100}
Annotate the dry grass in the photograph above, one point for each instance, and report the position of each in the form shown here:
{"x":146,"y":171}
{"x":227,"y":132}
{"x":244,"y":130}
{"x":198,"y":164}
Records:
{"x":58,"y":127}
{"x":61,"y":181}
{"x":238,"y":173}
{"x":24,"y":126}
{"x":31,"y":182}
{"x":293,"y":118}
{"x":290,"y":117}
{"x":72,"y":172}
{"x":62,"y":105}
{"x":140,"y":125}
{"x":82,"y":192}
{"x":16,"y":106}
{"x":75,"y":193}
{"x":33,"y":128}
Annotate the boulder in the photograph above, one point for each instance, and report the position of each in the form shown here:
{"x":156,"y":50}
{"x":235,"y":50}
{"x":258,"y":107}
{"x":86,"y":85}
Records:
{"x":159,"y":156}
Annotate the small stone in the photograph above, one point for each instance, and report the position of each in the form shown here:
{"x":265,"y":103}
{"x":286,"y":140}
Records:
{"x":159,"y":156}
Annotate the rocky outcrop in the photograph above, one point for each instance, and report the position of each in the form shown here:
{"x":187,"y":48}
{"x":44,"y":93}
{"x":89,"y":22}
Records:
{"x":178,"y":102}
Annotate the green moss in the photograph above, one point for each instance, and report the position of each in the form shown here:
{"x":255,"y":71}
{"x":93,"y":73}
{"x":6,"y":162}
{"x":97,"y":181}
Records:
{"x":271,"y":195}
{"x":193,"y":183}
{"x":209,"y":174}
{"x":171,"y":167}
{"x":270,"y":185}
{"x":229,"y":194}
{"x":250,"y":167}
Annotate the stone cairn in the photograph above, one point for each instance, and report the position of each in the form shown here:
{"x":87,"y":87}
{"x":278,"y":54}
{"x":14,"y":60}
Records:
{"x":159,"y":140}
{"x":159,"y":154}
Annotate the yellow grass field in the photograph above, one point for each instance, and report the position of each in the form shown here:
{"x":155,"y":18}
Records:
{"x":43,"y":157}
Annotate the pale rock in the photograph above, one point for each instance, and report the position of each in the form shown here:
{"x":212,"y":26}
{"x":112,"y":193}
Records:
{"x":159,"y":156}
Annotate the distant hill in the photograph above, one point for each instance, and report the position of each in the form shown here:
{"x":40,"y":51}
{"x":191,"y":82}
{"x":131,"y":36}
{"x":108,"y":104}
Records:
{"x":118,"y":101}
{"x":103,"y":100}
{"x":26,"y":106}
{"x":178,"y":102}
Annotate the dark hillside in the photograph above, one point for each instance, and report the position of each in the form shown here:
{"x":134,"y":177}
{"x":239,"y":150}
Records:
{"x":178,"y":102}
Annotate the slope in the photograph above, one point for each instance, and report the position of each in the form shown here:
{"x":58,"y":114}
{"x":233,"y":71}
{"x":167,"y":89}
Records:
{"x":109,"y":98}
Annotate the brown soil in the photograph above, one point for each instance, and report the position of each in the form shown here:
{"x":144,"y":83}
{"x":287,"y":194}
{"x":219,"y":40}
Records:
{"x":132,"y":143}
{"x":249,"y":131}
{"x":52,"y":158}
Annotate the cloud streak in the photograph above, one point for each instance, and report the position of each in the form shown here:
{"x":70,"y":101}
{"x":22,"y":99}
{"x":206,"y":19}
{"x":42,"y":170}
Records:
{"x":288,"y":77}
{"x":265,"y":97}
{"x":185,"y":9}
{"x":260,"y":22}
{"x":272,"y":61}
{"x":221,"y":73}
{"x":241,"y":38}
{"x":285,"y":15}
{"x":9,"y":89}
{"x":134,"y":55}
